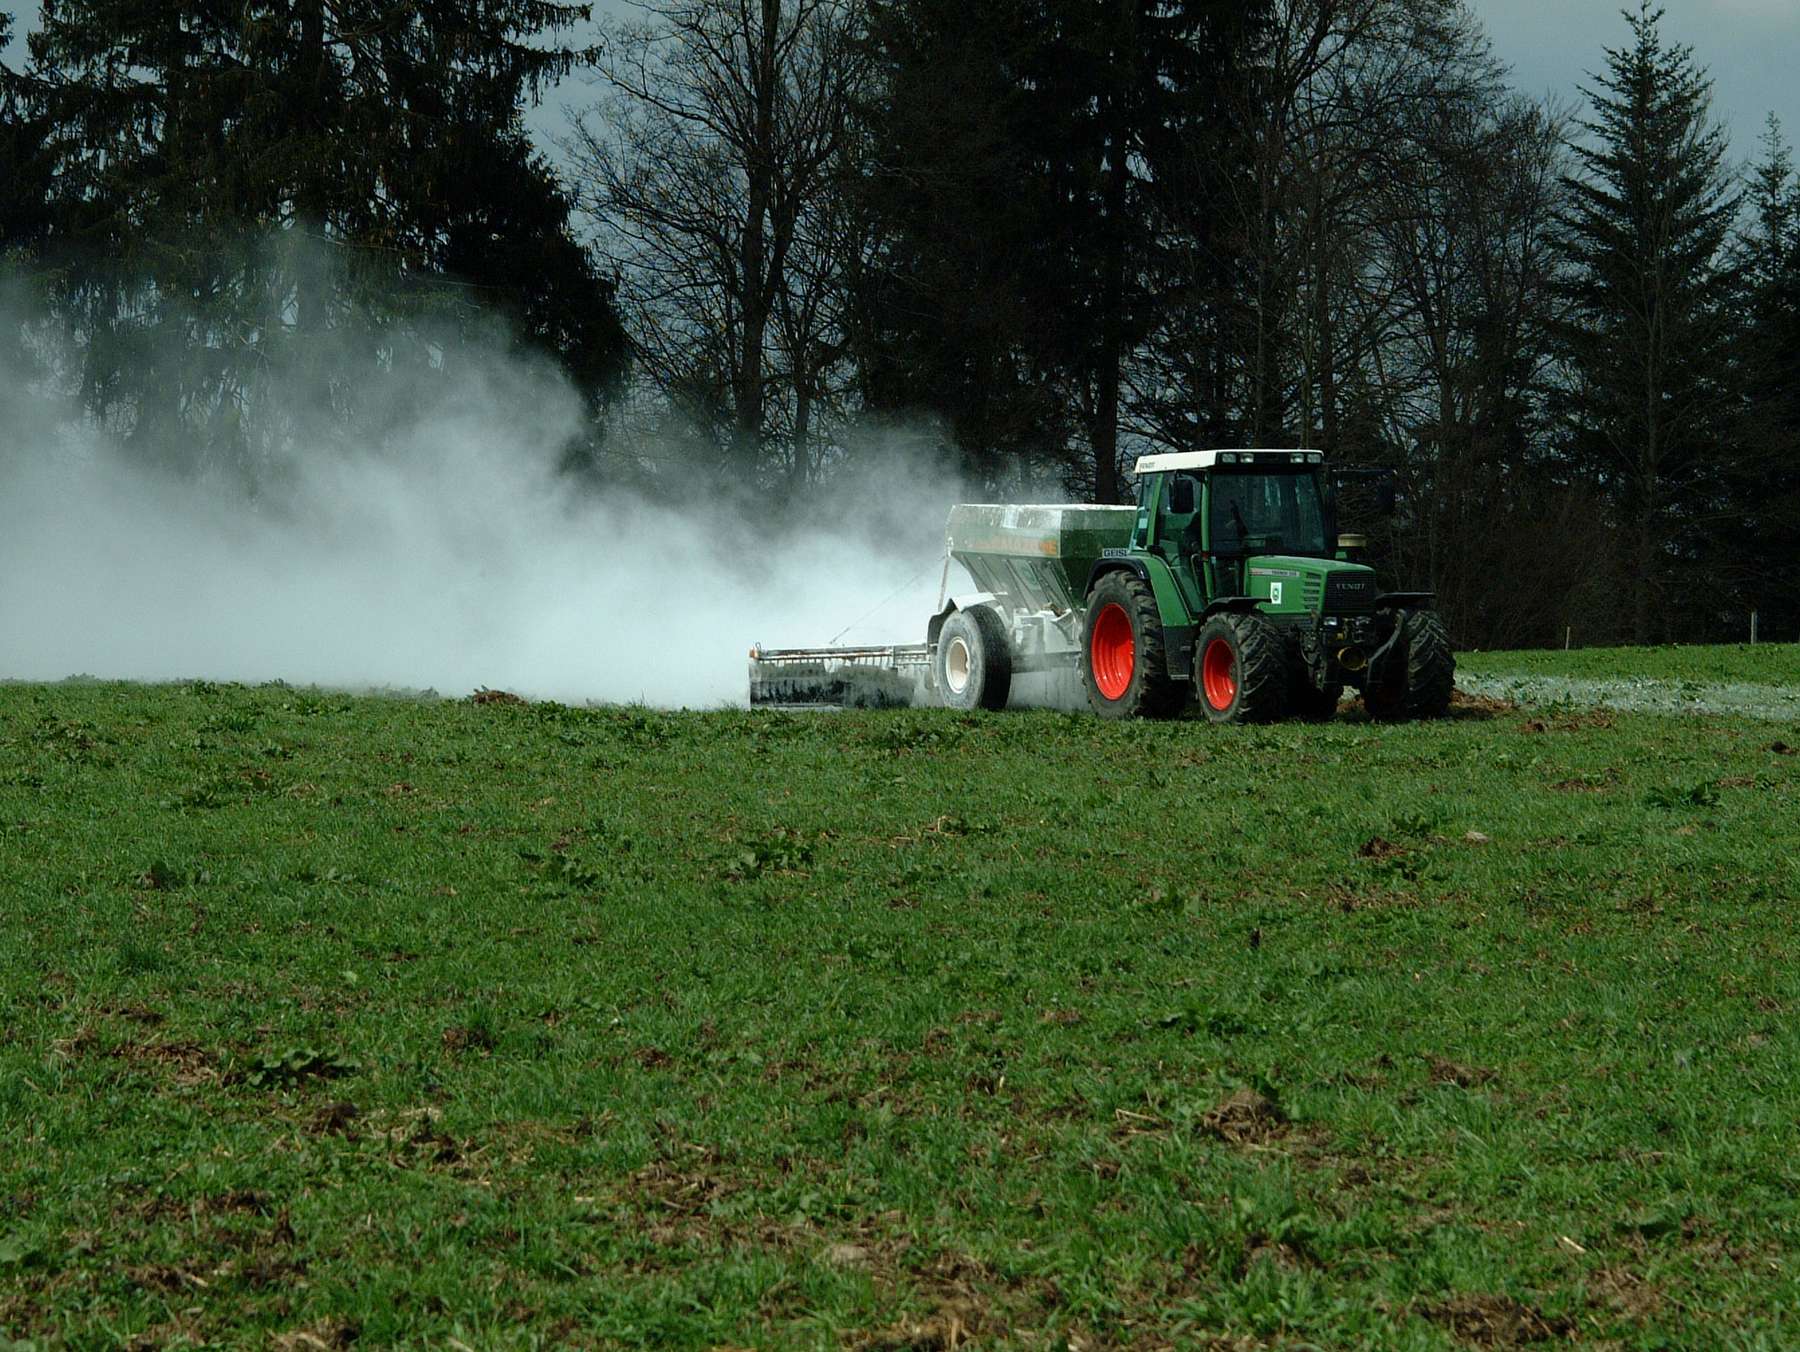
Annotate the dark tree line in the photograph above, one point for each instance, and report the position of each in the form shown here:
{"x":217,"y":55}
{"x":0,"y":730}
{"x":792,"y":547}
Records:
{"x":1056,"y":233}
{"x":236,"y":210}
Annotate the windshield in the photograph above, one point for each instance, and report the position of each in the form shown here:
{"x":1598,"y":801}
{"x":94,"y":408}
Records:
{"x":1258,"y":512}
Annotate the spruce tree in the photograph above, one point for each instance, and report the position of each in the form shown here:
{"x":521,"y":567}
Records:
{"x":24,"y":168}
{"x":1021,"y":154}
{"x":25,"y":185}
{"x":1759,"y":539}
{"x":963,"y":310}
{"x":1649,"y":291}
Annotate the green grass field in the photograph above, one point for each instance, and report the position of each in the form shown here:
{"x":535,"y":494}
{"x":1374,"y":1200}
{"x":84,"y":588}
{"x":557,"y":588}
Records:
{"x":1764,"y":664}
{"x":340,"y":1021}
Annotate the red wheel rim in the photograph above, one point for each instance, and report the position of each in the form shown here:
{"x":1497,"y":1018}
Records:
{"x":1218,"y":673}
{"x":1112,"y":651}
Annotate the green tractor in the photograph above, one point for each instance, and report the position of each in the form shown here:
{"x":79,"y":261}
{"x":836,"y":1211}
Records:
{"x":1234,"y":586}
{"x":1226,"y":582}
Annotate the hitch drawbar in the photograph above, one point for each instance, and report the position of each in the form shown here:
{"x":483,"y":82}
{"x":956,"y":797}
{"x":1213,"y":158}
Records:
{"x":893,"y":677}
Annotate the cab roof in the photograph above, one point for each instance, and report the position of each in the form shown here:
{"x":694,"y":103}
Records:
{"x":1153,"y":464}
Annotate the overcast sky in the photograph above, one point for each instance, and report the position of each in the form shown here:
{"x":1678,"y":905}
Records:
{"x":1750,"y":47}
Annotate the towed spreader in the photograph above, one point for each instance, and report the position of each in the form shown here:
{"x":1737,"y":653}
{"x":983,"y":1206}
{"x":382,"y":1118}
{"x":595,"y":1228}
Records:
{"x":1227,"y":580}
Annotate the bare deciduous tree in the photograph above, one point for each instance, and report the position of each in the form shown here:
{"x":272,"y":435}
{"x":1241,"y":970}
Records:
{"x":708,"y":168}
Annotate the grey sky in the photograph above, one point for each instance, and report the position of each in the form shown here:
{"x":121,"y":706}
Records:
{"x":1750,"y":47}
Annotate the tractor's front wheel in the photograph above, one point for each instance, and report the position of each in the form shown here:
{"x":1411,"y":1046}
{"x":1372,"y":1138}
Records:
{"x":1421,"y":685}
{"x":974,"y":660}
{"x":1124,"y":663}
{"x":1241,"y":669}
{"x":1430,"y":666}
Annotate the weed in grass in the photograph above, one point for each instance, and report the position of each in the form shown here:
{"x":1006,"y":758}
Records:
{"x":1669,"y":797}
{"x":295,"y":1065}
{"x":162,"y":876}
{"x":782,"y":850}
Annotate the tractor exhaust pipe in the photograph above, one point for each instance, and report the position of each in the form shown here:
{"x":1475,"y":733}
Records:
{"x":1351,"y":658}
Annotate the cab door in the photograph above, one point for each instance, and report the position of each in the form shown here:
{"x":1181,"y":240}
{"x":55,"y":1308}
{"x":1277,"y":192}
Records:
{"x":1178,"y":535}
{"x":1224,"y":575}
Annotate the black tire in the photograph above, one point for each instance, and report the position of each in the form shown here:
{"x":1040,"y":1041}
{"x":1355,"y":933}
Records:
{"x":1420,"y":683}
{"x":1430,"y":666}
{"x":1307,"y":700}
{"x":973,"y":662}
{"x":1127,"y":675}
{"x":1241,"y":669}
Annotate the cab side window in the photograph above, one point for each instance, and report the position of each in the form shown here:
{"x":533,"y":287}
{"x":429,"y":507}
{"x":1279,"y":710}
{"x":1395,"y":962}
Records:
{"x":1178,"y":522}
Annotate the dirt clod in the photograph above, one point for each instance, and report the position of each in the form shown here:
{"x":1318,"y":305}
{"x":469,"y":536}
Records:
{"x":336,"y":1119}
{"x":1461,"y":701}
{"x":1245,"y":1118}
{"x":1495,"y":1321}
{"x":952,"y":1327}
{"x":329,"y":1336}
{"x":459,"y":1039}
{"x":1463,"y":1077}
{"x":486,"y":696}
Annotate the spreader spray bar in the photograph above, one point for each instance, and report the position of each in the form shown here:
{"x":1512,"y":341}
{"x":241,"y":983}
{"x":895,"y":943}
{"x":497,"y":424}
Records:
{"x":888,"y":677}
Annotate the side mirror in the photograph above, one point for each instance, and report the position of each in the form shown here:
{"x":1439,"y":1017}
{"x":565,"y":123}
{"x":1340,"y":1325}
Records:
{"x":1181,"y":496}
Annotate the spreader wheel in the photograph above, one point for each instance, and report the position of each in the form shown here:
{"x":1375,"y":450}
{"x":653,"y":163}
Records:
{"x":1124,"y":664}
{"x":1241,"y":669}
{"x":974,"y":661}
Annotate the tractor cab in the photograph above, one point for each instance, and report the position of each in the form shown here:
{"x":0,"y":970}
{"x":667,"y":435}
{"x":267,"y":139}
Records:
{"x":1211,"y":518}
{"x":1245,"y":525}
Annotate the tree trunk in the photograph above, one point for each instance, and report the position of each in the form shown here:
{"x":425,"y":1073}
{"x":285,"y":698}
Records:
{"x":801,"y":461}
{"x":1105,"y":431}
{"x":1643,"y":571}
{"x":1262,"y":381}
{"x":759,"y":172}
{"x":1105,"y":434}
{"x":1324,"y":338}
{"x":312,"y":280}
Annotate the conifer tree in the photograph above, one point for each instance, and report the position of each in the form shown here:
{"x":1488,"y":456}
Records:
{"x":1759,"y":539}
{"x":244,"y":190}
{"x":1650,"y":295}
{"x":1022,"y":155}
{"x":24,"y":169}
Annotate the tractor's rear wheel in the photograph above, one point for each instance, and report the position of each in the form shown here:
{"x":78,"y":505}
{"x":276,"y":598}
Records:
{"x":1125,"y":665}
{"x":1241,"y":668}
{"x":1420,"y":685}
{"x":974,"y":661}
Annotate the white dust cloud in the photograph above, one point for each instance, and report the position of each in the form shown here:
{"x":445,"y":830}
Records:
{"x":451,"y":556}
